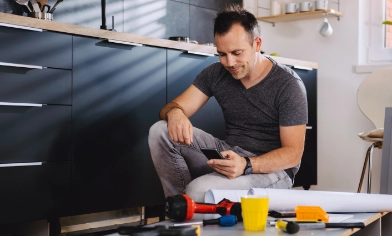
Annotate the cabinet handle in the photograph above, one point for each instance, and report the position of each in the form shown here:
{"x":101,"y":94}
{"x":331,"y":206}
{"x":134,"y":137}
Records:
{"x":20,"y":104}
{"x":303,"y":68}
{"x":21,"y":27}
{"x":309,"y":127}
{"x":21,"y":164}
{"x":126,"y":43}
{"x":201,"y":53}
{"x":20,"y":65}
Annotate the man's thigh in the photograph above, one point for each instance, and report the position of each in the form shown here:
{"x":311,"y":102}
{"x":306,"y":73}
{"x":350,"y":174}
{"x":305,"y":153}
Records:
{"x":194,"y":158}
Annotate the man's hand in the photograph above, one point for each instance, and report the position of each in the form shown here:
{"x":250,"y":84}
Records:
{"x":179,"y":127}
{"x":232,"y":167}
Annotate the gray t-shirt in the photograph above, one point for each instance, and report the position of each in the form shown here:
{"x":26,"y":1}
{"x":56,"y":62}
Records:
{"x":253,"y":115}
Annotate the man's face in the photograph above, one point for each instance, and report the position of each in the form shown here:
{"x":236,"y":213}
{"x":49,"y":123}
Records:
{"x":236,"y":54}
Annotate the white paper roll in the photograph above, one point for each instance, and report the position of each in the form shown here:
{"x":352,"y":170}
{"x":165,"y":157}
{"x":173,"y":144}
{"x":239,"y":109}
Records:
{"x":288,"y":199}
{"x":215,"y":195}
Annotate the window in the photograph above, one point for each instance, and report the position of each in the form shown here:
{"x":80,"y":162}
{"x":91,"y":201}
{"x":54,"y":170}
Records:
{"x":380,"y":46}
{"x":388,"y":28}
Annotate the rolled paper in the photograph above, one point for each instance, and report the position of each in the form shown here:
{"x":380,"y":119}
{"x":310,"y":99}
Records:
{"x":288,"y":199}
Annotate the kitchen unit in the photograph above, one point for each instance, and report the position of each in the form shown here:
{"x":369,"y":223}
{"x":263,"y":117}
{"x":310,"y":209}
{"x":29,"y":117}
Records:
{"x":118,"y":91}
{"x":91,"y":97}
{"x":35,"y":124}
{"x":307,"y":174}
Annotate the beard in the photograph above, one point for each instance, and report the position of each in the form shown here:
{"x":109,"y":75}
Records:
{"x":239,"y":74}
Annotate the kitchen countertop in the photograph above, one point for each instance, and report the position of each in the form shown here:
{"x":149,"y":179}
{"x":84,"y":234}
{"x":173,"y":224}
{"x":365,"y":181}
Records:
{"x":125,"y":37}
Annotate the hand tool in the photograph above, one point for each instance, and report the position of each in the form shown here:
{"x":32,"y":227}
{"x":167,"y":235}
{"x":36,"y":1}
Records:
{"x":182,"y":207}
{"x":311,"y":213}
{"x":292,"y":227}
{"x":157,"y":230}
{"x":283,"y":214}
{"x":287,"y":226}
{"x":227,"y":220}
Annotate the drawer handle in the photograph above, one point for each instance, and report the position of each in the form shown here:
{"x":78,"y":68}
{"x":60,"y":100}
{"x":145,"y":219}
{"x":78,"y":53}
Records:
{"x":20,"y":65}
{"x":21,"y":27}
{"x":201,"y":53}
{"x":309,"y":127}
{"x":21,"y":164}
{"x":126,"y":43}
{"x":20,"y":104}
{"x":303,"y":68}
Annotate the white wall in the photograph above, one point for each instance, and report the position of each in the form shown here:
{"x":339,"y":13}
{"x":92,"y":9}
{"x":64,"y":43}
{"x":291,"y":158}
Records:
{"x":340,"y":151}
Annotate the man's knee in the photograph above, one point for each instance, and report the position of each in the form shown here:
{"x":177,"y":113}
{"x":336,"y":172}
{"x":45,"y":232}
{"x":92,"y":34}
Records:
{"x":158,"y":129}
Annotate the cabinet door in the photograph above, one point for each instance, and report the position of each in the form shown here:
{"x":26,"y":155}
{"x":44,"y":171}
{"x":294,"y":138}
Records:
{"x":31,"y":134}
{"x":182,"y":69}
{"x":45,"y":48}
{"x":35,"y":192}
{"x":118,"y":91}
{"x":307,"y":174}
{"x":46,"y":86}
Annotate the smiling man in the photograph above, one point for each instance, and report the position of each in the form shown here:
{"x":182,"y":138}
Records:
{"x":265,"y":109}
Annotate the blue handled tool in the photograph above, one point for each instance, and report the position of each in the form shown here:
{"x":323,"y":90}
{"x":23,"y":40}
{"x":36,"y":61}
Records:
{"x":226,"y":220}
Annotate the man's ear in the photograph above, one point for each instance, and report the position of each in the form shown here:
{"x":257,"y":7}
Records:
{"x":257,"y":43}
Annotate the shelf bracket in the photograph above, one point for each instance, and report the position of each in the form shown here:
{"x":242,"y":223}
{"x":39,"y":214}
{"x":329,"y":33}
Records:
{"x":328,"y":13}
{"x":338,"y":3}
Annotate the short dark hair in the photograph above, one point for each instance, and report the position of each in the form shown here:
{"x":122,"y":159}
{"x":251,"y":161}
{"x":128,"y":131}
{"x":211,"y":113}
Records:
{"x":236,"y":14}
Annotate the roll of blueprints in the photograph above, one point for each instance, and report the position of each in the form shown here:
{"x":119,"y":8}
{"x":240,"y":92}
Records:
{"x":288,"y":199}
{"x":215,"y":195}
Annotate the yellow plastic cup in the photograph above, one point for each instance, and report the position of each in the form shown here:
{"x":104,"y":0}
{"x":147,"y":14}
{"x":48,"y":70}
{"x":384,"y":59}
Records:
{"x":254,"y":212}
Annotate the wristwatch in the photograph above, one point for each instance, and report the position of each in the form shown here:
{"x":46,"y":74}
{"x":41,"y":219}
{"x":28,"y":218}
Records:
{"x":248,"y":168}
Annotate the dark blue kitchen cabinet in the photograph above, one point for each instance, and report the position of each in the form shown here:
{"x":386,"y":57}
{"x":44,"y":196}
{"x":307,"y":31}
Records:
{"x":35,"y":192}
{"x":35,"y":124}
{"x":35,"y":120}
{"x":31,"y":134}
{"x":182,"y":69}
{"x":307,"y":174}
{"x":37,"y":48}
{"x":118,"y":91}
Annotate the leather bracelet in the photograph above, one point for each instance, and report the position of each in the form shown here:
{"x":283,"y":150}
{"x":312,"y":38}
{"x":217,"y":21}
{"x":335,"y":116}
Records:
{"x":167,"y":108}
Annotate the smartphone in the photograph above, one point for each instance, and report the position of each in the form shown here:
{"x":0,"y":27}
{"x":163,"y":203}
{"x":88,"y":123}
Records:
{"x":212,"y":153}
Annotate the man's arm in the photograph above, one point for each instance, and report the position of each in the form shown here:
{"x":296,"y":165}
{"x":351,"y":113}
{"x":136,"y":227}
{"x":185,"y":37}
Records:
{"x":191,"y":100}
{"x":289,"y":155}
{"x":179,"y":126}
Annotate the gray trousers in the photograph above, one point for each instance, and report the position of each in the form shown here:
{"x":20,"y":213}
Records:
{"x":183,"y":169}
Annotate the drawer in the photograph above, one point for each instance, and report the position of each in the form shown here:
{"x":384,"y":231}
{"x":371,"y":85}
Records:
{"x":46,"y":86}
{"x":35,"y":192}
{"x":45,"y":48}
{"x":31,"y":134}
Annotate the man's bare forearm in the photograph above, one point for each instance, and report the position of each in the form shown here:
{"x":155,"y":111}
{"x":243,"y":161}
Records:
{"x":167,"y":108}
{"x":277,"y":160}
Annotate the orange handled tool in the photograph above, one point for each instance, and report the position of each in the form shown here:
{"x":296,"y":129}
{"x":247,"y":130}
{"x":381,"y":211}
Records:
{"x":182,"y":208}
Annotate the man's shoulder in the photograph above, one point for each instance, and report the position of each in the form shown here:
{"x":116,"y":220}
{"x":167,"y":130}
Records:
{"x":284,"y":70}
{"x":215,"y":67}
{"x":215,"y":71}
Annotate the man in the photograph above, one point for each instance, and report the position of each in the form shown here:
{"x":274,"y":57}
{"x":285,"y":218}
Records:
{"x":265,"y":109}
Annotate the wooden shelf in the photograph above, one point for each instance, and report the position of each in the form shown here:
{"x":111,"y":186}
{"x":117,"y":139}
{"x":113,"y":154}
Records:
{"x":300,"y":16}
